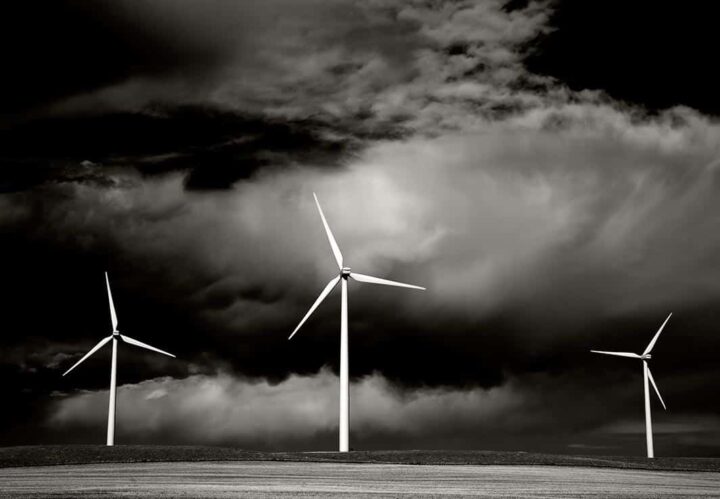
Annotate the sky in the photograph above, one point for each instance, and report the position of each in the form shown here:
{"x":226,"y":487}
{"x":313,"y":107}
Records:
{"x":549,"y":170}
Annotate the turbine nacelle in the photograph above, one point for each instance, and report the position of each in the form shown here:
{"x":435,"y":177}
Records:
{"x":345,"y":272}
{"x":646,"y":356}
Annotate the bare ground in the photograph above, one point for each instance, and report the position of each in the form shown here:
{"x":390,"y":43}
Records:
{"x":306,"y":479}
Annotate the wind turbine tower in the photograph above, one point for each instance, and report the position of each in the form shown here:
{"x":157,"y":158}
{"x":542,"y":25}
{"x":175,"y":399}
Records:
{"x":342,"y":278}
{"x":115,"y":337}
{"x":647,"y":376}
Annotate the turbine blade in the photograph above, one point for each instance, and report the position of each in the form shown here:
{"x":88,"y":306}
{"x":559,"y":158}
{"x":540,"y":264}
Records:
{"x":618,"y":354}
{"x":331,"y":238}
{"x":113,"y":316}
{"x":330,"y":286}
{"x":140,"y":344}
{"x":95,"y":349}
{"x":655,"y":338}
{"x":656,"y":389}
{"x":377,"y":280}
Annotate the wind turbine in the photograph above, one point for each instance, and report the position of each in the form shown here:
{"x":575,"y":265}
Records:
{"x":115,"y":337}
{"x":647,"y":375}
{"x":345,"y":272}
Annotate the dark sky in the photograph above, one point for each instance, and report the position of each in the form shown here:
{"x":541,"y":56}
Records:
{"x":549,"y":170}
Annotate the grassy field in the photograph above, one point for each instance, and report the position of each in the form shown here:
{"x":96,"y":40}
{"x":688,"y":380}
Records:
{"x":95,"y":454}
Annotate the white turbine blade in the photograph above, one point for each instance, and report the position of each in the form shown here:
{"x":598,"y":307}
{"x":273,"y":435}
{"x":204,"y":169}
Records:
{"x":95,"y":349}
{"x":656,"y":389}
{"x":140,"y":344}
{"x":319,"y":300}
{"x":377,"y":280}
{"x":113,"y":316}
{"x":655,"y":338}
{"x":619,"y":354}
{"x":331,"y":238}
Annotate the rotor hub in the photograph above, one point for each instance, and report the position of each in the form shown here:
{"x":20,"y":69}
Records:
{"x":345,"y":271}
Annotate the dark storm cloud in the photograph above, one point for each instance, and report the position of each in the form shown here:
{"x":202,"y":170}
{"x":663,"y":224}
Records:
{"x":53,"y":50}
{"x":365,"y":63}
{"x":216,"y":148}
{"x":218,"y":91}
{"x":222,"y":90}
{"x":249,"y":56}
{"x":544,"y":221}
{"x":530,"y":258}
{"x":486,"y":239}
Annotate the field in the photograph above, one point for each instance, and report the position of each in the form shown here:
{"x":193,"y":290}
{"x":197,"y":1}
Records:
{"x":293,"y":479}
{"x":46,"y":455}
{"x":156,"y":471}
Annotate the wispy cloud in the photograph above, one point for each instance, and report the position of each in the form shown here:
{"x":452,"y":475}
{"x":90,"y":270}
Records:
{"x":424,"y":66}
{"x":224,"y":409}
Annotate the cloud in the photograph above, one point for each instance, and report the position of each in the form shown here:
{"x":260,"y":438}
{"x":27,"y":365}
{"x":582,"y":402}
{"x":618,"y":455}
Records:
{"x":532,"y":236}
{"x":543,"y":220}
{"x":301,"y":412}
{"x":522,"y":212}
{"x":368,"y":66}
{"x":253,"y":413}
